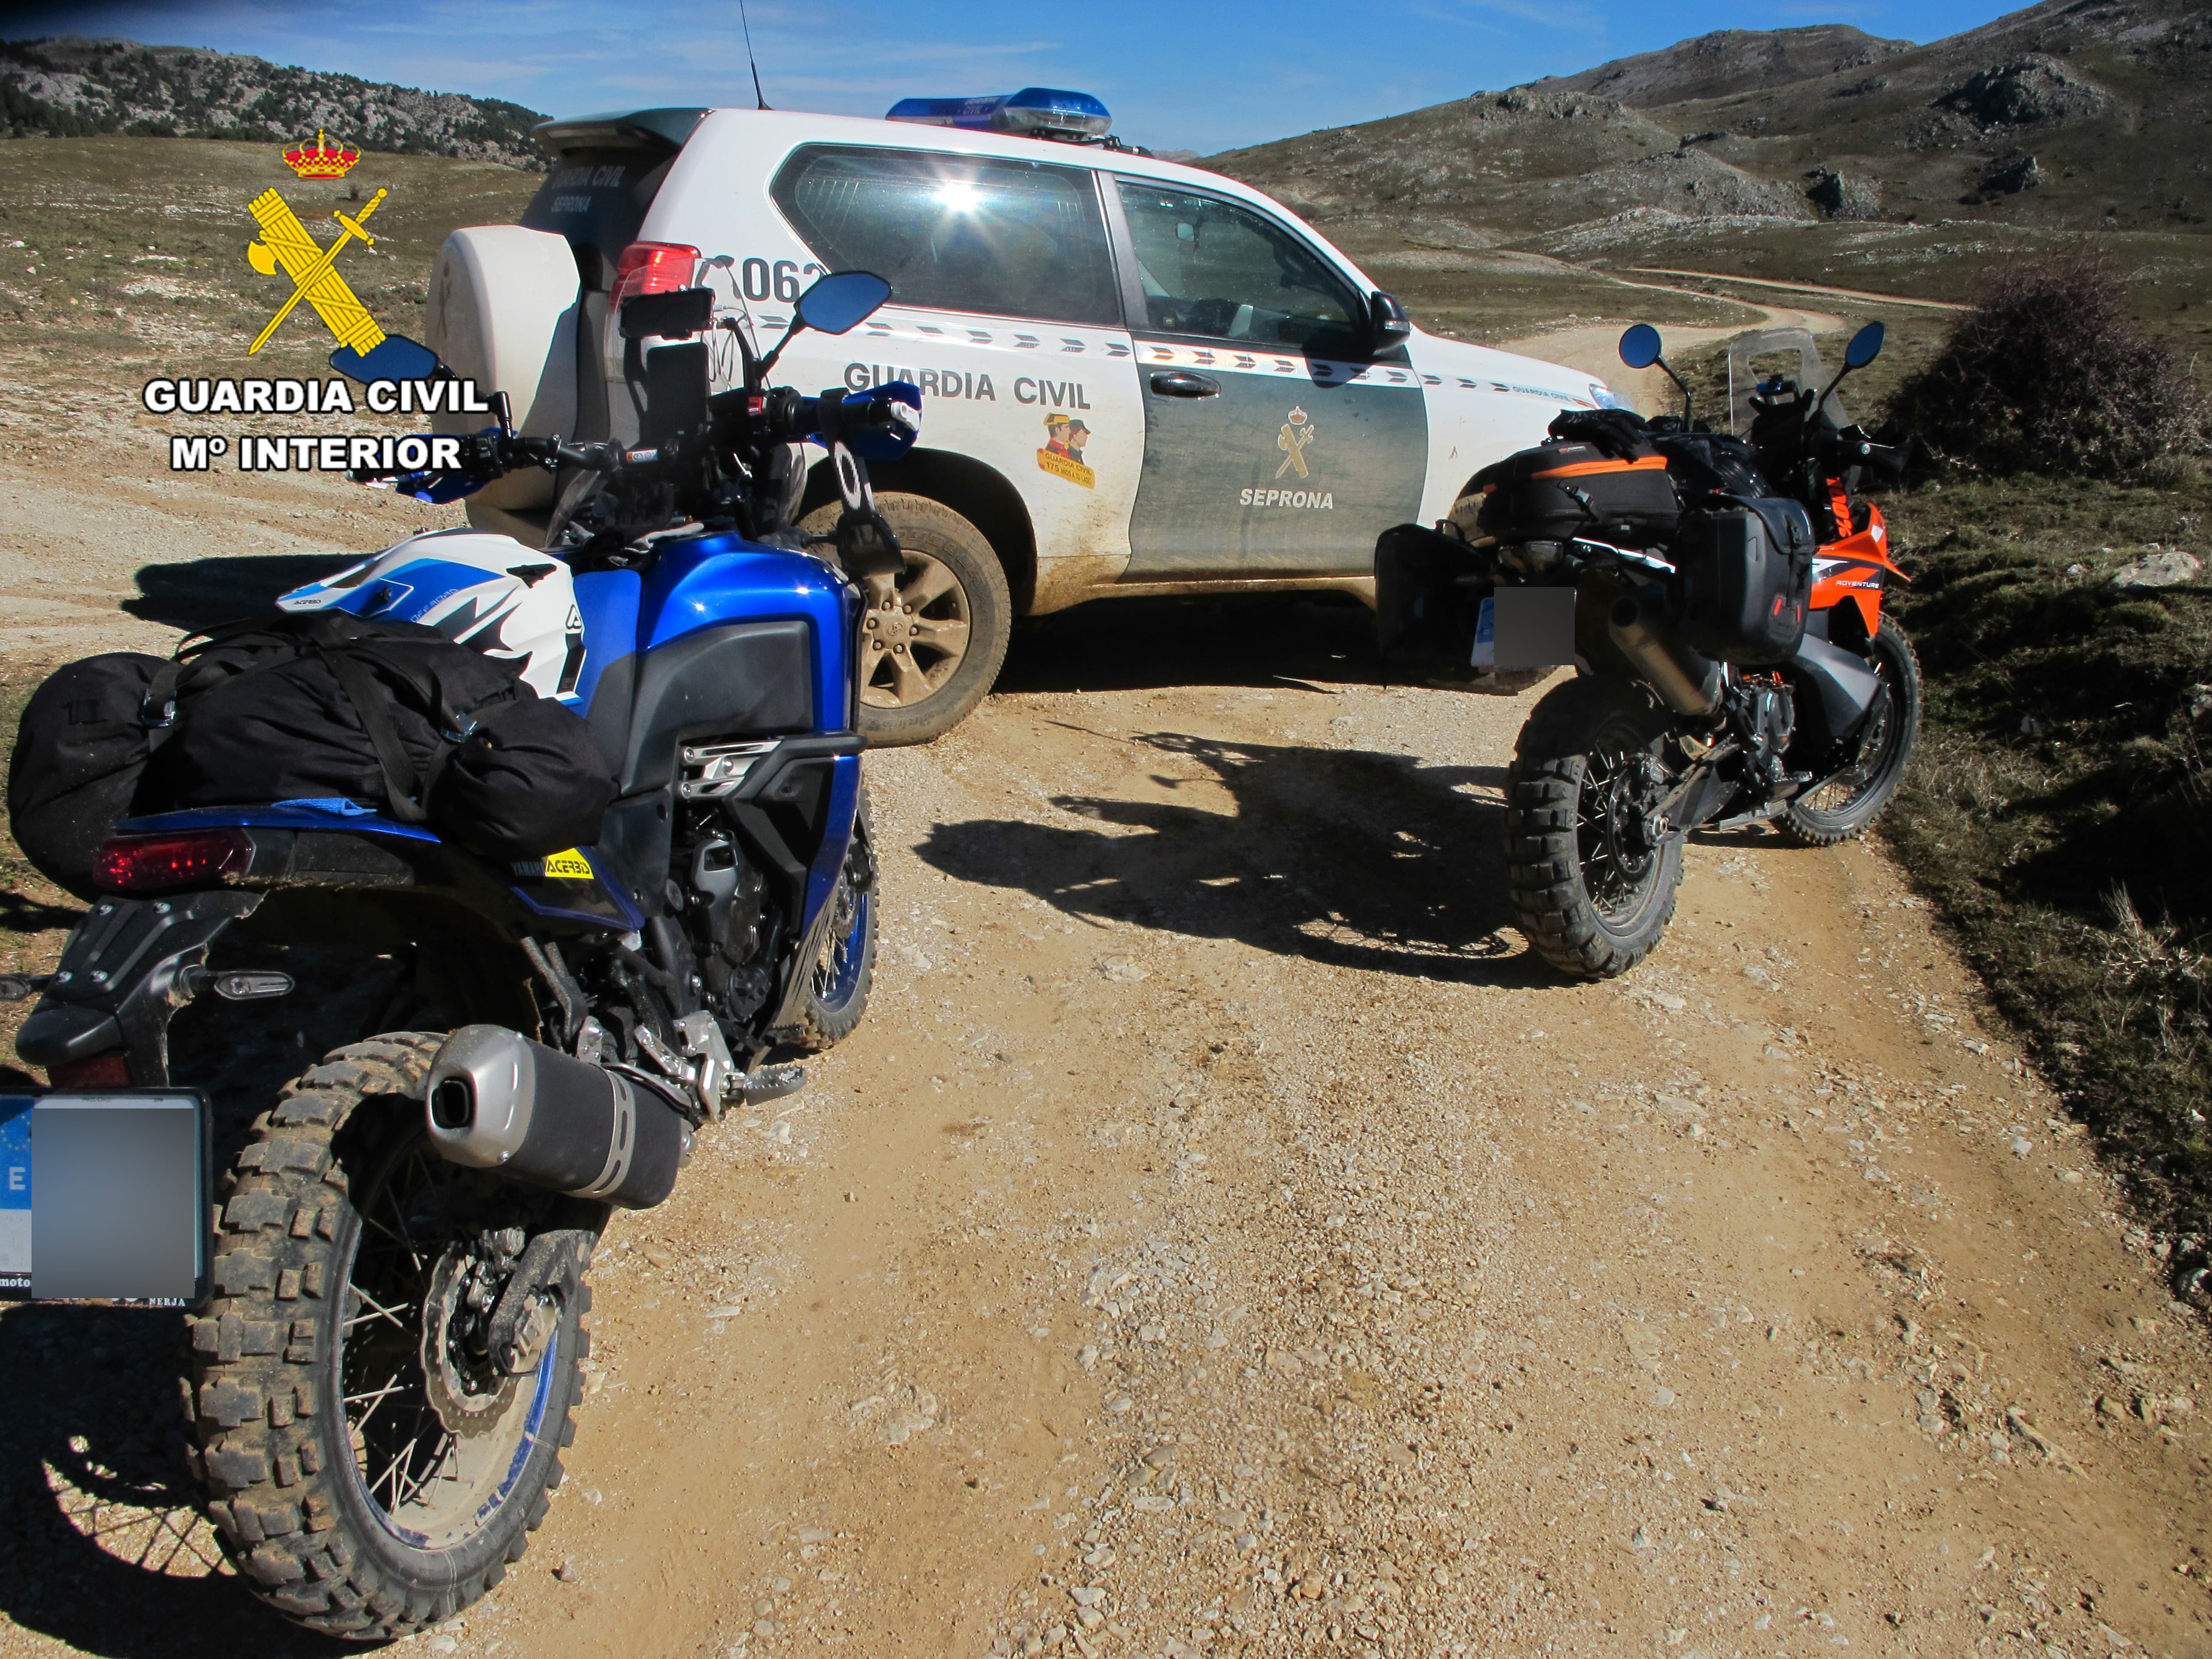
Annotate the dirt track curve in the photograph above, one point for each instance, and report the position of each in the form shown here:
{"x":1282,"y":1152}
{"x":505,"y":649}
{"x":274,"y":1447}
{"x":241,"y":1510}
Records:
{"x":1222,"y":1239}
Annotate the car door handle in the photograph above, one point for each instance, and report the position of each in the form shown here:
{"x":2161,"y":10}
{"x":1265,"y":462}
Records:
{"x":1179,"y":385}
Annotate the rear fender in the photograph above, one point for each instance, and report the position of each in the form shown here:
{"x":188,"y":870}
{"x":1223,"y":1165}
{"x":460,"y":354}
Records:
{"x":122,"y":974}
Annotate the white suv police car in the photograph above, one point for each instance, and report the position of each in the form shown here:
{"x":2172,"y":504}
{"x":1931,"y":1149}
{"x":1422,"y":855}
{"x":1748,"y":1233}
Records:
{"x":1138,"y":378}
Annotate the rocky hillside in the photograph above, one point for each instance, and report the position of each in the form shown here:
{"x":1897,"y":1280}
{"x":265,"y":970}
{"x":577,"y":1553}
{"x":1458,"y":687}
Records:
{"x":2071,"y":115}
{"x":72,"y":87}
{"x":1728,"y":61}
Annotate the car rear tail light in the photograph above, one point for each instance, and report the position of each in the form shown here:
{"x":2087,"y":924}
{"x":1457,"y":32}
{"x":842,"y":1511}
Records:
{"x":109,"y":1071}
{"x":160,"y":864}
{"x":653,"y":268}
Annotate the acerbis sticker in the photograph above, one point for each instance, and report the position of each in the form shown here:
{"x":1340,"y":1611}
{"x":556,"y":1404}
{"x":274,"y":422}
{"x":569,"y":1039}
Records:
{"x":571,"y":865}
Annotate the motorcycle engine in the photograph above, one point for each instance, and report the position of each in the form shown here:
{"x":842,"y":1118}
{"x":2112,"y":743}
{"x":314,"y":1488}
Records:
{"x":1770,"y":720}
{"x":726,"y":913}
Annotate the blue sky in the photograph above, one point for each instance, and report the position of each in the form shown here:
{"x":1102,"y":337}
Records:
{"x":1203,"y":75}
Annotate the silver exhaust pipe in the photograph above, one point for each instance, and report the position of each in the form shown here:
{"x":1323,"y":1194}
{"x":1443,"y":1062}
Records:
{"x":498,"y":1101}
{"x":1685,"y":681}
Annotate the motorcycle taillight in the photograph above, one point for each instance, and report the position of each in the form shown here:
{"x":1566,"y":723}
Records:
{"x":652,"y":268}
{"x":162,"y":863}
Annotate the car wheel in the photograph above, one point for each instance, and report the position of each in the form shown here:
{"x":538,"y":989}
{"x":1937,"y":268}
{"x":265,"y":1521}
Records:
{"x":935,"y":633}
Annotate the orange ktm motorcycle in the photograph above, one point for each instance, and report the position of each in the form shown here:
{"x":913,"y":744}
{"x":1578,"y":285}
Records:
{"x":1720,"y":597}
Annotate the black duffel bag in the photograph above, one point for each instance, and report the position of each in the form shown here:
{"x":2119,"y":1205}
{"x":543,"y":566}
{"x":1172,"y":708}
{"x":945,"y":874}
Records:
{"x":390,"y":714}
{"x":80,"y":748}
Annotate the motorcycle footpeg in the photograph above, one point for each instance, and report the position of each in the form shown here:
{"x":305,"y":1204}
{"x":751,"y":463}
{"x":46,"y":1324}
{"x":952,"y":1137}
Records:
{"x":766,"y":1083}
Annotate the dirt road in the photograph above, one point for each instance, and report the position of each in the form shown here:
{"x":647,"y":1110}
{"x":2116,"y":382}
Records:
{"x":1222,"y":1238}
{"x":1595,"y":347}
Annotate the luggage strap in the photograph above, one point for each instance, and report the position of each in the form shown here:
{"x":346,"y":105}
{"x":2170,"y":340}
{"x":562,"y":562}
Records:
{"x":350,"y":647}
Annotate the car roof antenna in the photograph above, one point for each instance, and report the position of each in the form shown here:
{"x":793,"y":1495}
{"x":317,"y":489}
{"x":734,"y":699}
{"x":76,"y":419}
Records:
{"x":759,"y":97}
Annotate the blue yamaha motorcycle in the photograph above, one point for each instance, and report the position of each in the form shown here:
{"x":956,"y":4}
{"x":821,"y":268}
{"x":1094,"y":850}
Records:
{"x":384,"y":1369}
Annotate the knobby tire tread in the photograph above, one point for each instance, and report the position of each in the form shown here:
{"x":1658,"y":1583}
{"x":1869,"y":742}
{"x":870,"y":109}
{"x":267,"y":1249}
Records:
{"x":1543,"y":785}
{"x":257,"y":1395}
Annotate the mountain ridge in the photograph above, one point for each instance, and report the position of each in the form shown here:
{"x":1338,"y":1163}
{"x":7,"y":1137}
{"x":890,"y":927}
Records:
{"x":68,"y":87}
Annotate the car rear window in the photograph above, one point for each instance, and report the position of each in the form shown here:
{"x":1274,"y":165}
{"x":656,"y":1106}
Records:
{"x":596,"y":198}
{"x":957,"y":232}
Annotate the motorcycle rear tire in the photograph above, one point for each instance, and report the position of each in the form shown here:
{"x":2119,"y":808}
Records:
{"x":1891,"y":654}
{"x":1587,"y":906}
{"x":290,"y":1336}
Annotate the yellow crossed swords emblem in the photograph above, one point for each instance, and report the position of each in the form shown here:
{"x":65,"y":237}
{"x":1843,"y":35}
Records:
{"x":1296,"y":434}
{"x":314,"y":271}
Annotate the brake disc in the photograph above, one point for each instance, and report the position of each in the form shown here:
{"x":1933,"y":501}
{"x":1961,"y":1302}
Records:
{"x":469,"y":1394}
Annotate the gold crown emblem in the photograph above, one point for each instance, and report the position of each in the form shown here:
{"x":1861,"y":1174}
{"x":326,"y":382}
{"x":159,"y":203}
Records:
{"x":322,"y":162}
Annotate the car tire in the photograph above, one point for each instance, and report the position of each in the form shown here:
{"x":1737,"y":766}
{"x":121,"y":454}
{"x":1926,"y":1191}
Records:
{"x":934,"y":637}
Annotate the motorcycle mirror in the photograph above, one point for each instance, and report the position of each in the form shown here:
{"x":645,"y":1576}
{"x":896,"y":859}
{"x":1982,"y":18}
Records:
{"x":1865,"y":346}
{"x":395,"y":357}
{"x":1640,"y":346}
{"x":842,"y":301}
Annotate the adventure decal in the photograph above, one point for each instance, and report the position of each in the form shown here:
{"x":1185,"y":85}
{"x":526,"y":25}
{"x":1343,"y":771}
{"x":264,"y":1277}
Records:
{"x":1062,"y":454}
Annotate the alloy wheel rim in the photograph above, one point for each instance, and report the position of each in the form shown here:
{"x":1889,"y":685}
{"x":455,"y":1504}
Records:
{"x":915,"y":633}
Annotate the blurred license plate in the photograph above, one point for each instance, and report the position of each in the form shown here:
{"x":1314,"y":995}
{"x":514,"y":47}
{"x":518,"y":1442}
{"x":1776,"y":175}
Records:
{"x":105,"y":1195}
{"x":1535,"y":627}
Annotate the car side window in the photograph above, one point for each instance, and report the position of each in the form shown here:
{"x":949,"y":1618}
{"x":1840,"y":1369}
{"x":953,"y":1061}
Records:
{"x":957,"y":232}
{"x":1212,"y":268}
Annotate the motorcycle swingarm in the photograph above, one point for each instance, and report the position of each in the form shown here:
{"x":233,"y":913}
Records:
{"x":122,"y":976}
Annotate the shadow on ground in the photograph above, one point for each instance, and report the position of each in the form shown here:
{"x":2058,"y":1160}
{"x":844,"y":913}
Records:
{"x":1248,"y":640}
{"x":202,"y":592}
{"x":1351,"y":858}
{"x":106,"y":1549}
{"x":103,"y":1545}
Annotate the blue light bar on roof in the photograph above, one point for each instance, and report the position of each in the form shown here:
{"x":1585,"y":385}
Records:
{"x":1032,"y":113}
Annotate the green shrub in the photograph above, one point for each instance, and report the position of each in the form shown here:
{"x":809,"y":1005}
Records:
{"x":2050,"y":372}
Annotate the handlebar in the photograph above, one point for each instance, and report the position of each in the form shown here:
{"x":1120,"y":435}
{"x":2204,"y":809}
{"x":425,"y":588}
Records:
{"x":878,"y":424}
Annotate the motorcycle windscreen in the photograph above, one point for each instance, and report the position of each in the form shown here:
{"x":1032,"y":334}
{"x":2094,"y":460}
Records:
{"x":106,"y":1196}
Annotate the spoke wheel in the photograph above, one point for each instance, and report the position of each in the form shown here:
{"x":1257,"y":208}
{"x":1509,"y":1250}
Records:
{"x":372,"y":1462}
{"x":1844,"y":804}
{"x":837,"y":994}
{"x":1591,"y":871}
{"x":434,"y":1422}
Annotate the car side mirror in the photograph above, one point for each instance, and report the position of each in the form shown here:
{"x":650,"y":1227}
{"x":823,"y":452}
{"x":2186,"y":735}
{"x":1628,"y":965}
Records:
{"x":1387,"y":321}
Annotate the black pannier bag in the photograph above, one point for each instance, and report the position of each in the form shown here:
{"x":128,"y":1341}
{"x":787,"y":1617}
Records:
{"x":527,"y":781}
{"x":1562,"y":490}
{"x":1429,"y":590}
{"x":80,"y":748}
{"x":1743,"y":579}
